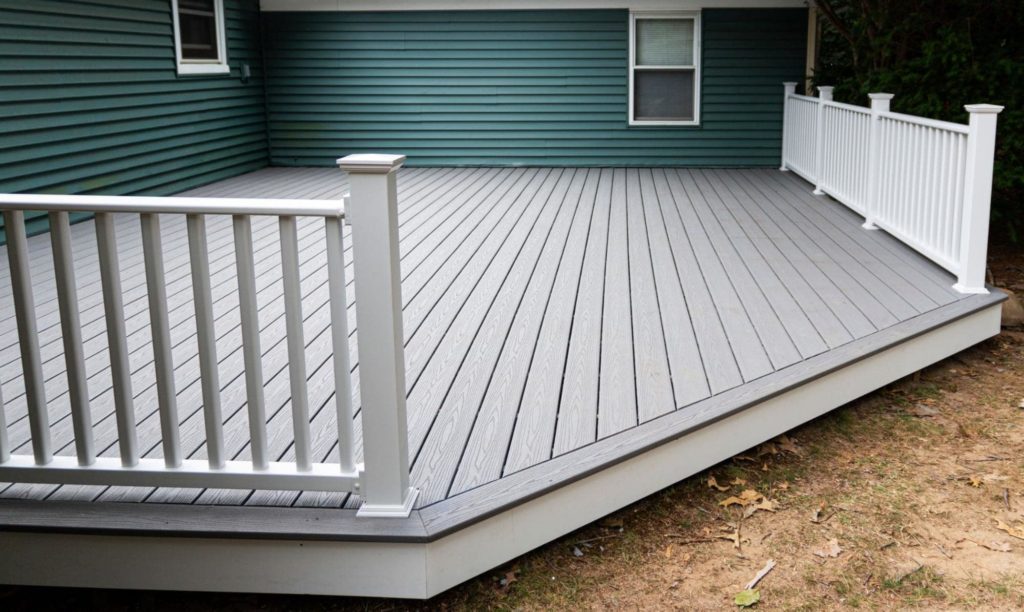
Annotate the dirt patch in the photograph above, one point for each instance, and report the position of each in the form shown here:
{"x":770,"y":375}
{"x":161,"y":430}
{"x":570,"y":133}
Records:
{"x":910,"y":497}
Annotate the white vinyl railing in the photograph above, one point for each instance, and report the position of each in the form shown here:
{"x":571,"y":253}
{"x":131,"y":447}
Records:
{"x":926,"y":182}
{"x":382,"y":480}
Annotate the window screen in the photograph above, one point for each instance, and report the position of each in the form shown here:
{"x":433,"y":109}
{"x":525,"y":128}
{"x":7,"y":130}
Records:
{"x":665,"y":69}
{"x":664,"y":42}
{"x":663,"y":95}
{"x":197,"y":24}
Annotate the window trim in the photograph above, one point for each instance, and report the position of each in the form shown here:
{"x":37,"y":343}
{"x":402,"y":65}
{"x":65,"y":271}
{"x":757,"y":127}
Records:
{"x":194,"y":66}
{"x":695,"y":16}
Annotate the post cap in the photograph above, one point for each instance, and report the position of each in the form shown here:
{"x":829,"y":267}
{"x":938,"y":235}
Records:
{"x":789,"y":83}
{"x":371,"y":163}
{"x":880,"y":96}
{"x":985,"y":109}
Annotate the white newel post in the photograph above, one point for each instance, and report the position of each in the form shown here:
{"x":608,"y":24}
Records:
{"x":981,"y":148}
{"x":373,"y":213}
{"x":879,"y":104}
{"x":824,"y":95}
{"x":789,"y":88}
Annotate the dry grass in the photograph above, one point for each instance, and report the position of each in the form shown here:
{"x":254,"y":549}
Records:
{"x":910,"y":481}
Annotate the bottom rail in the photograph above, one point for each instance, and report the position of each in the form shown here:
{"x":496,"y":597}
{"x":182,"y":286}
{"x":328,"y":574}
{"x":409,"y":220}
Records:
{"x":192,"y":473}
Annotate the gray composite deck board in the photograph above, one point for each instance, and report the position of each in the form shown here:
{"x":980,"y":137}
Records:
{"x":617,"y":407}
{"x":545,"y":310}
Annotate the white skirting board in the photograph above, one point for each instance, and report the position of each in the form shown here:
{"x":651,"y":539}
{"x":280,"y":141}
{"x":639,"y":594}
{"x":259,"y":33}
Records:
{"x":421,"y":570}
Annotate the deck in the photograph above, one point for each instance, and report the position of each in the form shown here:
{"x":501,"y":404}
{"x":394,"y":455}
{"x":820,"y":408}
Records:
{"x":549,"y":313}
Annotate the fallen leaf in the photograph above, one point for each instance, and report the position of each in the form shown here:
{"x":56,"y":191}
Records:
{"x":508,"y":579}
{"x":922,"y":411}
{"x":976,"y":481}
{"x":831,"y":550}
{"x":904,"y":570}
{"x":733,"y":537}
{"x":816,"y":515}
{"x":1017,"y":532}
{"x":612,"y":523}
{"x":668,"y":551}
{"x":1021,"y":404}
{"x":738,"y":482}
{"x":993,"y":545}
{"x":783,"y":486}
{"x":788,"y":445}
{"x":713,"y":484}
{"x":747,"y":598}
{"x":768,"y":448}
{"x":764,"y":467}
{"x":997,"y":546}
{"x":744,"y":499}
{"x":751,"y":495}
{"x":576,"y":552}
{"x":768,"y":505}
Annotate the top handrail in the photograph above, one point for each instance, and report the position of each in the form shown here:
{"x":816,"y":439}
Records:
{"x":804,"y":98}
{"x":850,"y":107}
{"x":173,"y":205}
{"x":932,"y":123}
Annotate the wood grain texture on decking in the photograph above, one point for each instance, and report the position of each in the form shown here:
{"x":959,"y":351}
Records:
{"x":545,"y":309}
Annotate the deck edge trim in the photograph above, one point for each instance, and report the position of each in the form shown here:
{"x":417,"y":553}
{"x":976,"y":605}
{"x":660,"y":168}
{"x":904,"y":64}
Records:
{"x":435,"y":521}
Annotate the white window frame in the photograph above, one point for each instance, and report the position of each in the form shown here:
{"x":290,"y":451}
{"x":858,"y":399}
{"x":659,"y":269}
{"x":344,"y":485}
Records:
{"x":197,"y":66}
{"x":695,"y":16}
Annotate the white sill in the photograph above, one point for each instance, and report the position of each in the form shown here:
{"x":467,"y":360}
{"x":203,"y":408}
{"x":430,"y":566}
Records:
{"x":188,"y":68}
{"x":641,"y":123}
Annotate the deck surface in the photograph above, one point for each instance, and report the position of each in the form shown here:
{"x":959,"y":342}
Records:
{"x":545,"y":309}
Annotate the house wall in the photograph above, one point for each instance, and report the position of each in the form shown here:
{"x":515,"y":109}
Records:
{"x":517,"y":87}
{"x":90,"y":101}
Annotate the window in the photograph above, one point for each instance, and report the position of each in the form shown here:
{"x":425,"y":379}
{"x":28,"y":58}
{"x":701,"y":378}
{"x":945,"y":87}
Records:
{"x":664,"y":69}
{"x":199,"y":36}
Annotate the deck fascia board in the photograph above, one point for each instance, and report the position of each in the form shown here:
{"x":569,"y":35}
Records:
{"x":452,"y":514}
{"x":445,"y":518}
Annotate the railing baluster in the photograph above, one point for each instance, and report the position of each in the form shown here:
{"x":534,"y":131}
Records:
{"x":296,"y":341}
{"x":71,"y":333}
{"x":28,"y":337}
{"x":156,"y":287}
{"x":824,"y":94}
{"x":933,"y":207}
{"x":958,"y":192}
{"x":339,"y":337}
{"x":207,"y":338}
{"x":944,"y":173}
{"x":252,"y":354}
{"x":113,"y":311}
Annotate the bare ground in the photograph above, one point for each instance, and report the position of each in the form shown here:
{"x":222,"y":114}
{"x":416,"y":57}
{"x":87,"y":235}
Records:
{"x":910,"y":497}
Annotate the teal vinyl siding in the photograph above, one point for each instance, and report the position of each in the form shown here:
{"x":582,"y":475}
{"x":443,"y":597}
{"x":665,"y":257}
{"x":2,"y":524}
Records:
{"x":90,"y":101}
{"x":517,"y":87}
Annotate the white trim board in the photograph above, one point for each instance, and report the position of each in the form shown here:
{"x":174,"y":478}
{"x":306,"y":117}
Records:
{"x":426,"y":569}
{"x":694,"y":16}
{"x":469,"y":5}
{"x":193,"y":67}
